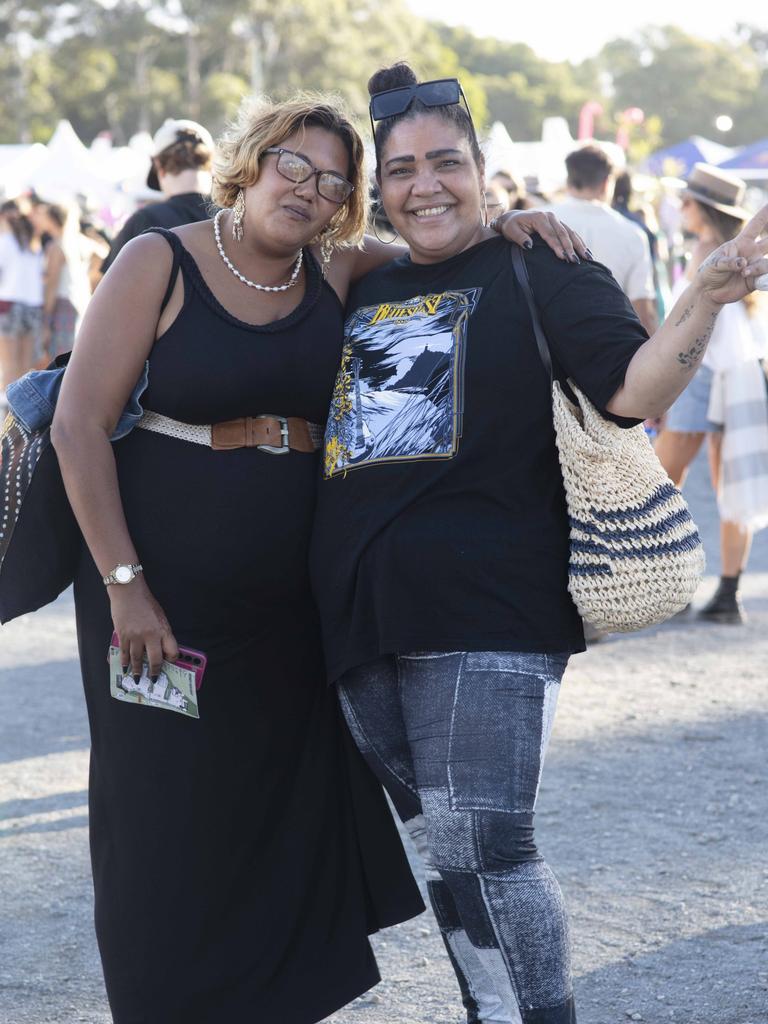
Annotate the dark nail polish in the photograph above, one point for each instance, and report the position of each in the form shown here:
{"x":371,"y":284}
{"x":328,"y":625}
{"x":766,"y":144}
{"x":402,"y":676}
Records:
{"x":528,"y":243}
{"x":154,"y":679}
{"x":574,"y":258}
{"x":589,"y":254}
{"x":125,"y":669}
{"x":136,"y":678}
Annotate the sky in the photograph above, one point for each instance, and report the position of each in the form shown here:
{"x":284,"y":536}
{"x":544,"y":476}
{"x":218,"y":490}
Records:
{"x":576,"y":29}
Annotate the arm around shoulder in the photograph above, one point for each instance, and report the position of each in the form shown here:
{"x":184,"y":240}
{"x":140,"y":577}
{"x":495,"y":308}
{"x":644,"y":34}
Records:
{"x":349,"y":264}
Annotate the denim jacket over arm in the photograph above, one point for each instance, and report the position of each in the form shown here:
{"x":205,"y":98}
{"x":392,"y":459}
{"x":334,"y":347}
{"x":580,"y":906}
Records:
{"x":32,"y":400}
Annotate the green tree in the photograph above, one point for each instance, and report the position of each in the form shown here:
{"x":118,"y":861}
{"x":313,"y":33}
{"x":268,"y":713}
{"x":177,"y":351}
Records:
{"x":750,"y":122}
{"x":521,"y":88}
{"x":683,"y":80}
{"x":335,"y":45}
{"x":221,"y":95}
{"x":84,"y":76}
{"x":203,"y":28}
{"x":24,"y":67}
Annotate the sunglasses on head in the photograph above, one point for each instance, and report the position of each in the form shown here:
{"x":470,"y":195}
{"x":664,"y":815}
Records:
{"x":442,"y":92}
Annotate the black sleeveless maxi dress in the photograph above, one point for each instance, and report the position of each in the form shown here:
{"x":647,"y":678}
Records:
{"x":240,"y":860}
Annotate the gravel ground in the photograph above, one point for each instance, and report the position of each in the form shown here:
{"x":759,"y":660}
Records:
{"x":653,"y":813}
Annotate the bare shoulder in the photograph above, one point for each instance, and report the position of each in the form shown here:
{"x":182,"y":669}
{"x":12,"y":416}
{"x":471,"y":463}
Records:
{"x":142,"y":267}
{"x":342,"y":262}
{"x":340,"y":270}
{"x":196,"y":233}
{"x":150,"y":246}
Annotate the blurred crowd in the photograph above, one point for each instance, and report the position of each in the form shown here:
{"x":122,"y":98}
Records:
{"x":50,"y":261}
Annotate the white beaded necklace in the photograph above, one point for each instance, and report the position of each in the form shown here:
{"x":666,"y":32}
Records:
{"x":252,"y":284}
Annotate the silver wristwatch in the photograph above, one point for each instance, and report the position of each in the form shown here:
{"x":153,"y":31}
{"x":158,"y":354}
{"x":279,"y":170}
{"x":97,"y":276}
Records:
{"x":122,"y":574}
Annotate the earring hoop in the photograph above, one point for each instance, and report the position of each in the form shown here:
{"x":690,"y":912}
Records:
{"x":238,"y":213}
{"x":374,"y":217}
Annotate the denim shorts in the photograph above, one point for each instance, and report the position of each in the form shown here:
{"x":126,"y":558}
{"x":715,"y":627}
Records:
{"x":20,"y":320}
{"x":688,"y":413}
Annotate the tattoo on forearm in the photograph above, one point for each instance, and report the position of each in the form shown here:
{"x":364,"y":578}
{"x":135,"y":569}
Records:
{"x":686,"y":315}
{"x":690,"y":360}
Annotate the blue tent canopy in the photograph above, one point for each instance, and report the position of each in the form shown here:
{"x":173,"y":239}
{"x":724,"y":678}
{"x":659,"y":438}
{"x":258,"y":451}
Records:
{"x":752,"y":158}
{"x":677,"y":161}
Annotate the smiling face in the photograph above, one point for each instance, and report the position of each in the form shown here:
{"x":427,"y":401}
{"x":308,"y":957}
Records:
{"x":431,"y":187}
{"x":284,"y":215}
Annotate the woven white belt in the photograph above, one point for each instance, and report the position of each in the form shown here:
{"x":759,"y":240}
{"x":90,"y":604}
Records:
{"x":197,"y":433}
{"x":200,"y":433}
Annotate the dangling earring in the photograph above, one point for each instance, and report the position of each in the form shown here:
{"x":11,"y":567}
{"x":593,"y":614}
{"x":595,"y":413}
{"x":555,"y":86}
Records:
{"x":484,"y":210}
{"x":238,"y":213}
{"x":326,"y":248}
{"x":374,"y":217}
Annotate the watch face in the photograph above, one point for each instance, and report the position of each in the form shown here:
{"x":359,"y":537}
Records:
{"x":123,"y":574}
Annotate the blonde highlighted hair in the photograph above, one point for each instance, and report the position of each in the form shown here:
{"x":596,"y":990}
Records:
{"x":260,"y":124}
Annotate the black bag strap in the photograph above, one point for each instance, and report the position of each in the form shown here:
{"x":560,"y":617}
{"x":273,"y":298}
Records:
{"x":521,"y":273}
{"x":177,"y":249}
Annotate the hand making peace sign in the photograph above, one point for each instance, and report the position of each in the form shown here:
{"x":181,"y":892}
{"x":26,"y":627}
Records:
{"x":740,"y":266}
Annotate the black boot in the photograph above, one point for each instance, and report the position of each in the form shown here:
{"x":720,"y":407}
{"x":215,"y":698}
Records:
{"x":725,"y":605}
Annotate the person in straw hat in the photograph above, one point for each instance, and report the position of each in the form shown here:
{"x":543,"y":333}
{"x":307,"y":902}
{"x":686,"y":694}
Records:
{"x":713,"y":211}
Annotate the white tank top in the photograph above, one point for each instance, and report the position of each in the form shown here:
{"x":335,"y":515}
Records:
{"x":21,"y":272}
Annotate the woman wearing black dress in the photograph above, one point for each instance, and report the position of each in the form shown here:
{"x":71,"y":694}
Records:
{"x":236,"y":858}
{"x":240,"y":859}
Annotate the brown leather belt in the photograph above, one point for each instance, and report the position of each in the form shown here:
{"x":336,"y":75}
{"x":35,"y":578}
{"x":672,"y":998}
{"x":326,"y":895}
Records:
{"x":274,"y":434}
{"x":266,"y":432}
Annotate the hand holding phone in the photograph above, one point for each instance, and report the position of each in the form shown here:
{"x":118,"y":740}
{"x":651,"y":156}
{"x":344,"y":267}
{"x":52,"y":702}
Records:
{"x":190,"y":659}
{"x":143,"y":627}
{"x":172,"y":689}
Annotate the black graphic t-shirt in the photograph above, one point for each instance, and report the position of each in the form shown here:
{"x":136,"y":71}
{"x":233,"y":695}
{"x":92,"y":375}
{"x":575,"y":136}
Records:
{"x":441,"y":520}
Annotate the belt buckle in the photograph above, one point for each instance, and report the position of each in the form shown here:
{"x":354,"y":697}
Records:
{"x":282,"y":449}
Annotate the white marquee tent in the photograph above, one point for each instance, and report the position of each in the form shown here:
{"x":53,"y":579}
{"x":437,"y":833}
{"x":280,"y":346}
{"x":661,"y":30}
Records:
{"x":111,"y":178}
{"x":17,"y":165}
{"x":69,"y":169}
{"x":543,"y":160}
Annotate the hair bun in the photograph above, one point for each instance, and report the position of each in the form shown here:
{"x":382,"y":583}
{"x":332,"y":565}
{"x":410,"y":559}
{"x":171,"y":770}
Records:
{"x":394,"y":77}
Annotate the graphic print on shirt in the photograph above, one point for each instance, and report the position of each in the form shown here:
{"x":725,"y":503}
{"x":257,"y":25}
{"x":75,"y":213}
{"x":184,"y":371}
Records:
{"x":399,"y":393}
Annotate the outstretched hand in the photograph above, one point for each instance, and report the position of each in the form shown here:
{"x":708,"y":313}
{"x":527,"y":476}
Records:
{"x":735,"y":268}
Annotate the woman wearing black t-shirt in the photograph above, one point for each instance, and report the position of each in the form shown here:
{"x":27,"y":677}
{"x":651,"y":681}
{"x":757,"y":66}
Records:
{"x":441,"y":540}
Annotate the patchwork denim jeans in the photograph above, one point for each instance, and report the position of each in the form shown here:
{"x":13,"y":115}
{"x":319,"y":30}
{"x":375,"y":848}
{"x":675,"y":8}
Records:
{"x":458,"y":740}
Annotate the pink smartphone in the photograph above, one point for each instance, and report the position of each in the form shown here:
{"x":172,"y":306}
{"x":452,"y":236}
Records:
{"x":190,"y":659}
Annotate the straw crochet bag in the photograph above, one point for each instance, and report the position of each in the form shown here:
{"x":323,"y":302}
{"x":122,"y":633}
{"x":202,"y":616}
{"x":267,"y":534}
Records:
{"x":635,"y":554}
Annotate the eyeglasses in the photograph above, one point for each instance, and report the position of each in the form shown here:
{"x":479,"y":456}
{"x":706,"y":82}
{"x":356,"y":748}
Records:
{"x":442,"y":92}
{"x":297,"y":168}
